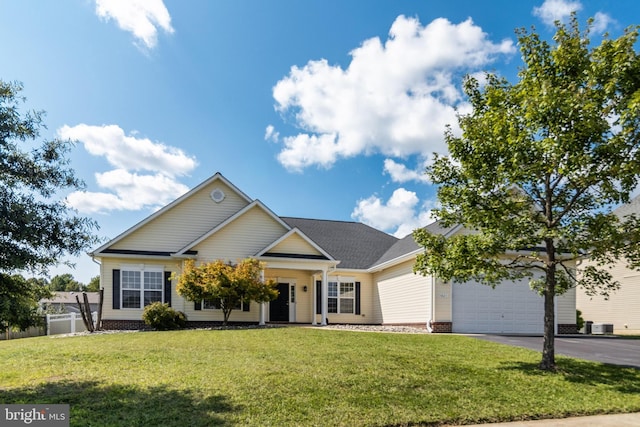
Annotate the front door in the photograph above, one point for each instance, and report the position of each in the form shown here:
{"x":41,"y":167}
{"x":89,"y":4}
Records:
{"x":279,"y":307}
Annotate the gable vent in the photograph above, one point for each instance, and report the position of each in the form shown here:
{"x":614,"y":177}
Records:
{"x":217,"y":195}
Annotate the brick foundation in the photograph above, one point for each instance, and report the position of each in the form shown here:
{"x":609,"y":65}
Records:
{"x":567,"y":328}
{"x":441,"y":327}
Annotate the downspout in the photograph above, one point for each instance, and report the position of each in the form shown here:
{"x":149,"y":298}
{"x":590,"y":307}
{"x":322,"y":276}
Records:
{"x":433,"y":304}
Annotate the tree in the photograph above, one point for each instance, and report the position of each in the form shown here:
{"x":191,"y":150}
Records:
{"x":19,"y":301}
{"x":65,"y":283}
{"x":537,"y":168}
{"x":37,"y":227}
{"x":94,"y":284}
{"x":225,"y":285}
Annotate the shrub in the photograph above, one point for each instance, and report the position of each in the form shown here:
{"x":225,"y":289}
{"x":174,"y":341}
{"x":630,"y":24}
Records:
{"x":163,"y":318}
{"x":579,"y":320}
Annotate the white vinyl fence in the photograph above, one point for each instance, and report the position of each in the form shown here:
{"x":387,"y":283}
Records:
{"x":67,"y":323}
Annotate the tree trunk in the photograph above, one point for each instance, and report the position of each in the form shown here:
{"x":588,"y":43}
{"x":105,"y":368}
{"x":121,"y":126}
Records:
{"x":548,"y":362}
{"x":226,"y":313}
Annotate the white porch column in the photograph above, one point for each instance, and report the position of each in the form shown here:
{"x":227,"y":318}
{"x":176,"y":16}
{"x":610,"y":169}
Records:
{"x":263,"y":310}
{"x":263,"y":305}
{"x":315,"y":301}
{"x":325,"y":297}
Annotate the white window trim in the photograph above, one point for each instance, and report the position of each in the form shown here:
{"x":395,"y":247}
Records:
{"x":343,"y":280}
{"x":142,"y":268}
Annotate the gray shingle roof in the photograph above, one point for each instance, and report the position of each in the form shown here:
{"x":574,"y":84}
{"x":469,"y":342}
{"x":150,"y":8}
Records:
{"x":407,"y":244}
{"x":356,"y":245}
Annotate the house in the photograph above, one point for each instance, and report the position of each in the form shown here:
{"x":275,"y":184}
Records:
{"x":326,"y":271}
{"x":622,"y":308}
{"x":65,"y":302}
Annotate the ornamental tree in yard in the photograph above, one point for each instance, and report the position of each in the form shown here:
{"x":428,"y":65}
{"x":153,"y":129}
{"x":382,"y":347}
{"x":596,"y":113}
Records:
{"x":225,"y":284}
{"x":537,"y":168}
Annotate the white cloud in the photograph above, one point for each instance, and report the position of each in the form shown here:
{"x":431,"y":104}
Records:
{"x":394,"y":98}
{"x":130,"y":191}
{"x":270,"y":134}
{"x":129,"y":152}
{"x":126,"y":189}
{"x":556,"y":10}
{"x":142,"y":18}
{"x":601,"y":22}
{"x":399,"y":213}
{"x":400,"y":173}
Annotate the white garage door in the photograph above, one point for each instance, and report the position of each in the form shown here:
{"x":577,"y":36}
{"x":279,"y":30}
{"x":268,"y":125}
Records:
{"x":511,"y":308}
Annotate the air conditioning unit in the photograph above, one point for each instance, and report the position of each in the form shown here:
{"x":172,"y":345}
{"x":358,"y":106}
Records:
{"x":602,"y":328}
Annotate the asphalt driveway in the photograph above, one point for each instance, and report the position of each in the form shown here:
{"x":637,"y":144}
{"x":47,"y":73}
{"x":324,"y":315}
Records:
{"x":607,"y":349}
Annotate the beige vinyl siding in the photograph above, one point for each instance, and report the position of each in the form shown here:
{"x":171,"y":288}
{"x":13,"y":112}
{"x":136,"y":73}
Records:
{"x":242,"y":238}
{"x":442,"y":305}
{"x":301,"y":278}
{"x":106,"y":281}
{"x":405,"y":297}
{"x":566,"y":307}
{"x":295,"y":244}
{"x":623,"y":306}
{"x":185,"y":222}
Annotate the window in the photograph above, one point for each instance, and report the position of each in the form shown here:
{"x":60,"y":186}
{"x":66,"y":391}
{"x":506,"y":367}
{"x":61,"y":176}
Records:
{"x":214,"y":304}
{"x":141,"y":287}
{"x":341,"y":297}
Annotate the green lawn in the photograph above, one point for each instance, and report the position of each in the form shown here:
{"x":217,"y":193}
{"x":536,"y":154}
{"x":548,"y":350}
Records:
{"x":302,"y":376}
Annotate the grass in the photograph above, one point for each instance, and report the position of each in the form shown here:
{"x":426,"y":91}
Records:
{"x":302,"y":376}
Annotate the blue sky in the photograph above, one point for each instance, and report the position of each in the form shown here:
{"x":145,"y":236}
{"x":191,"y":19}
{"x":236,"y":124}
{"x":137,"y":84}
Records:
{"x":319,"y":108}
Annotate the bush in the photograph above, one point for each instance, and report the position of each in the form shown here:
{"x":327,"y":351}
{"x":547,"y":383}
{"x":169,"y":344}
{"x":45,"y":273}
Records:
{"x":579,"y":320}
{"x":163,"y":318}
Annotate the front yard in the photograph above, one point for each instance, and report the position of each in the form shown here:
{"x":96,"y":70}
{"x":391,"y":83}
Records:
{"x":302,"y":376}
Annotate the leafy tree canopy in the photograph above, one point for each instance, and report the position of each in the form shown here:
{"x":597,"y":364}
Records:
{"x":65,"y":283}
{"x":537,"y":168}
{"x":37,"y":227}
{"x":93,"y":285}
{"x":19,"y":301}
{"x":228,"y":284}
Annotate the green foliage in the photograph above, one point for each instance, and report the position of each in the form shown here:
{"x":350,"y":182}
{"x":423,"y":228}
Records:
{"x":65,"y":283}
{"x":228,"y":283}
{"x":579,"y":320}
{"x":536,"y":167}
{"x":19,"y":302}
{"x":37,"y":227}
{"x":94,"y":284}
{"x":163,"y":318}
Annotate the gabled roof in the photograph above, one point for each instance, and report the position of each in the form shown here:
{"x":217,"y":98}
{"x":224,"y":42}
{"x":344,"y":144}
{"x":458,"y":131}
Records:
{"x":408,"y":246}
{"x":255,"y":203}
{"x":356,"y":245}
{"x":216,"y":177}
{"x":267,"y":251}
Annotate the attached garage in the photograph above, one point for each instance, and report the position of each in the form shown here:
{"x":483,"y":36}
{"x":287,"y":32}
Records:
{"x":511,"y":308}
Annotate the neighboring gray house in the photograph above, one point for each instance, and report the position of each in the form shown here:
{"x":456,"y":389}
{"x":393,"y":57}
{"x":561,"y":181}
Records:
{"x":65,"y":302}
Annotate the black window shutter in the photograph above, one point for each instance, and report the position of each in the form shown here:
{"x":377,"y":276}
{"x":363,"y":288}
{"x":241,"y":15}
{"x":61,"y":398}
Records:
{"x":167,"y":287}
{"x":197,"y":305}
{"x":357,"y":297}
{"x":116,"y":289}
{"x":318,"y":296}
